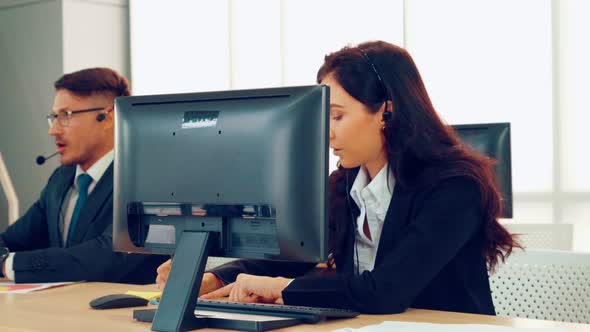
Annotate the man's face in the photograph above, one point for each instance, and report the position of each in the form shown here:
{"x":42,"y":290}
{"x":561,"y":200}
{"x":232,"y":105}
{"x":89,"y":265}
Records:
{"x":84,"y":140}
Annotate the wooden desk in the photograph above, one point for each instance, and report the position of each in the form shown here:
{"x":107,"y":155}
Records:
{"x":66,"y":309}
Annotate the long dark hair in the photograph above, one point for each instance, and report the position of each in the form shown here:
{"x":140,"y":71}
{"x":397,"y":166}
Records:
{"x":421,"y":149}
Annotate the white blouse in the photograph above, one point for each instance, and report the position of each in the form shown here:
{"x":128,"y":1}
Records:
{"x":373,"y":199}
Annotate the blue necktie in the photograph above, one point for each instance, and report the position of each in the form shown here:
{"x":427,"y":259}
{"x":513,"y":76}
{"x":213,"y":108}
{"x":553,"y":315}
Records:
{"x":84,"y":181}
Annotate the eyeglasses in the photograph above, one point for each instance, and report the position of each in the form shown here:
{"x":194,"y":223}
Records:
{"x":63,"y":117}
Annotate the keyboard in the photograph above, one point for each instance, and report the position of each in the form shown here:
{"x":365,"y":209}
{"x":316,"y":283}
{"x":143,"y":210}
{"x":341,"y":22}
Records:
{"x":301,"y":314}
{"x":305,"y":314}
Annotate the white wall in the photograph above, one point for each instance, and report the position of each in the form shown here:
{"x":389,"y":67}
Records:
{"x":96,"y":34}
{"x":179,"y":46}
{"x":573,"y":107}
{"x":30,"y":60}
{"x":231,"y":44}
{"x":491,"y":61}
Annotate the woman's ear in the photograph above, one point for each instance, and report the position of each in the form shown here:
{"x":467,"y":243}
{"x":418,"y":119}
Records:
{"x":386,"y":112}
{"x":389,"y":106}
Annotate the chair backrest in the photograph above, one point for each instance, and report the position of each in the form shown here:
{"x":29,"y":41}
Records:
{"x":543,"y":284}
{"x":213,"y":262}
{"x":543,"y":236}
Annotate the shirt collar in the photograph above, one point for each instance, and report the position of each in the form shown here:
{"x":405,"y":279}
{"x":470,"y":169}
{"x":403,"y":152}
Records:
{"x":378,"y":186}
{"x":359,"y":183}
{"x":382,"y":187}
{"x":97,"y":170}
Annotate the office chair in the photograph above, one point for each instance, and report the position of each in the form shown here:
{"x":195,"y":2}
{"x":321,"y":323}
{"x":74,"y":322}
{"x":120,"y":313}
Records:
{"x":543,"y":284}
{"x":213,"y":262}
{"x":543,"y":236}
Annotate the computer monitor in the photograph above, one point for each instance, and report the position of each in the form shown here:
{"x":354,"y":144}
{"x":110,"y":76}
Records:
{"x":493,"y":140}
{"x":240,"y":173}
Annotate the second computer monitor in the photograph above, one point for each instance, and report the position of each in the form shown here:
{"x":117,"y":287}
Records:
{"x":493,"y":140}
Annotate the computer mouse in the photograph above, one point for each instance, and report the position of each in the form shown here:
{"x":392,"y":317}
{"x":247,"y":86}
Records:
{"x":114,"y":301}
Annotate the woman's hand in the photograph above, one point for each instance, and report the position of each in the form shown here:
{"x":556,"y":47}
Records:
{"x":209,"y":283}
{"x":163,"y":272}
{"x":251,"y":288}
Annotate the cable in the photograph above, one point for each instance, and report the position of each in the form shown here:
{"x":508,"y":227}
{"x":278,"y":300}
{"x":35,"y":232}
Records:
{"x":354,"y":223}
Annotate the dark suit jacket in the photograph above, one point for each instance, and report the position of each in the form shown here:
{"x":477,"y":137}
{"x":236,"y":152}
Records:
{"x":430,"y":256}
{"x":37,"y":239}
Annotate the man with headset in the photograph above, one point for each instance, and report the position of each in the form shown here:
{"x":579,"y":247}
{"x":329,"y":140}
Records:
{"x":66,"y":235}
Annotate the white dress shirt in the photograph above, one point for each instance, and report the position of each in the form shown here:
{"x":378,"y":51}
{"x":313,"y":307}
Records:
{"x":373,"y":199}
{"x":96,"y":172}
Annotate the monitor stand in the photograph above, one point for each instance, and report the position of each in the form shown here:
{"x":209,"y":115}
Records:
{"x":176,"y":311}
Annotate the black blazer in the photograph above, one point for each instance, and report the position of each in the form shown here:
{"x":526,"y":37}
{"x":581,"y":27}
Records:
{"x":430,"y":256}
{"x":40,"y":253}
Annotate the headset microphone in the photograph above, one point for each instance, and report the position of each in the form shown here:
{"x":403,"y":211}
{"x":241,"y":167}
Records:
{"x":41,"y":160}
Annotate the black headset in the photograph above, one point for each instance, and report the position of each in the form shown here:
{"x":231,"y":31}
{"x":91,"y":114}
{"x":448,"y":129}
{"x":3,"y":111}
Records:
{"x":102,"y":116}
{"x":387,"y":116}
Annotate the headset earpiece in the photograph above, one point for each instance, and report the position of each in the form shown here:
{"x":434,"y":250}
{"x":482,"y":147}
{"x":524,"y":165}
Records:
{"x":102,"y":116}
{"x":387,"y":116}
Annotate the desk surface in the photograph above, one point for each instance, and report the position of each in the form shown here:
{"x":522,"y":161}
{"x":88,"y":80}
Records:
{"x":66,"y":309}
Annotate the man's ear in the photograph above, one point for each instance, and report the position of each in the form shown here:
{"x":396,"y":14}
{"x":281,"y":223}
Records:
{"x":109,"y":117}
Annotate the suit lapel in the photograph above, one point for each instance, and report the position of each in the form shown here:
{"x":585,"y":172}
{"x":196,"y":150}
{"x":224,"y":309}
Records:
{"x":55,"y":225}
{"x":347,"y":263}
{"x":395,"y":220}
{"x":102,"y":191}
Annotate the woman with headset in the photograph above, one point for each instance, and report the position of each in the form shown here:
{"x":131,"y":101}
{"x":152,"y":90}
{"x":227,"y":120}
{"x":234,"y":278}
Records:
{"x":413,"y":213}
